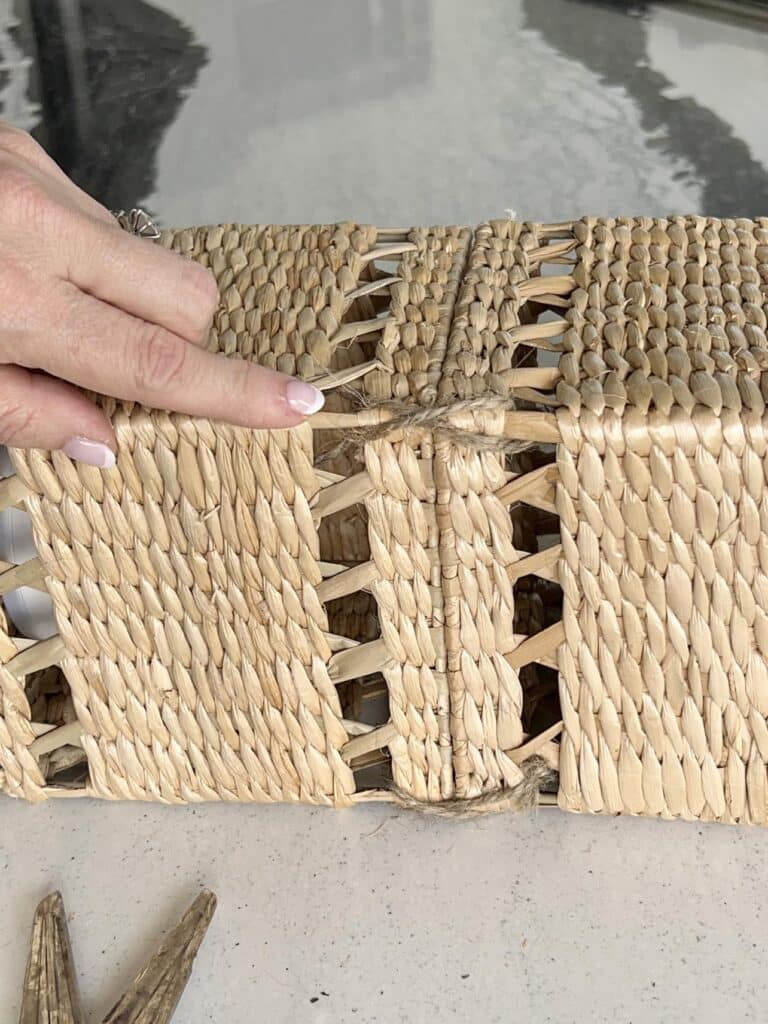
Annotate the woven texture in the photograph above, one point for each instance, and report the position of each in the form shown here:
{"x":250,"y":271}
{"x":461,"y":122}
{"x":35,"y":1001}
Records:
{"x":528,"y":532}
{"x":664,"y":514}
{"x":197,"y":649}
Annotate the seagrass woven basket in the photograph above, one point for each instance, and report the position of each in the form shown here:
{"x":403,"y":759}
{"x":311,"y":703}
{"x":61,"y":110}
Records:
{"x":522,"y":553}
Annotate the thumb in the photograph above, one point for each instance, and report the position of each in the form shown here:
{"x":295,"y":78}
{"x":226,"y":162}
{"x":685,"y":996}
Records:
{"x":38,"y":411}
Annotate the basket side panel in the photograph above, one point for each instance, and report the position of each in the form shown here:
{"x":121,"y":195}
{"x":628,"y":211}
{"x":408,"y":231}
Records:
{"x":185,"y":579}
{"x":664,"y":678}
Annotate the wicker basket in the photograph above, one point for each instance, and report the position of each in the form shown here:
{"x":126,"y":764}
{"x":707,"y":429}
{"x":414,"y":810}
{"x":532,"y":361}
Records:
{"x":528,"y":534}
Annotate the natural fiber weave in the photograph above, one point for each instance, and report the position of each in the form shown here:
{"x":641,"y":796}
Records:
{"x":371,"y":601}
{"x":664,"y":510}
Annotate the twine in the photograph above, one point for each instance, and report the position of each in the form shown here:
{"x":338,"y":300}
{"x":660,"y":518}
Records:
{"x":437,"y":419}
{"x":537,"y":775}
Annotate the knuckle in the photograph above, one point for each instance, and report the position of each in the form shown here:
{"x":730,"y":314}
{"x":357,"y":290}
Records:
{"x":75,"y":350}
{"x":199,"y":293}
{"x":250,"y":391}
{"x":22,"y":198}
{"x":16,"y":420}
{"x":19,"y":293}
{"x":20,"y":143}
{"x":158,"y":361}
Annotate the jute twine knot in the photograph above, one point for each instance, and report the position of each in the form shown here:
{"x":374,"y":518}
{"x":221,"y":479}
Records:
{"x":522,"y":797}
{"x":438,"y":418}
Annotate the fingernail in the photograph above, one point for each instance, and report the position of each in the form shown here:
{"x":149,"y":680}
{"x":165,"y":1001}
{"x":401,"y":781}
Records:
{"x":92,"y":453}
{"x":303,"y":398}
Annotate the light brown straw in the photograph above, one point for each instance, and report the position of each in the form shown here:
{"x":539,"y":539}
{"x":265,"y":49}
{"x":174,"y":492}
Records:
{"x":664,"y":679}
{"x":378,"y":602}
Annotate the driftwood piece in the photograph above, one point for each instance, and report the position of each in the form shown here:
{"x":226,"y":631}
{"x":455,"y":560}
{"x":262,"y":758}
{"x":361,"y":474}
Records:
{"x":50,"y":986}
{"x":154,"y":995}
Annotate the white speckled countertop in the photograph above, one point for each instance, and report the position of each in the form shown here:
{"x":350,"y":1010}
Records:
{"x":423,"y":111}
{"x":547,"y":918}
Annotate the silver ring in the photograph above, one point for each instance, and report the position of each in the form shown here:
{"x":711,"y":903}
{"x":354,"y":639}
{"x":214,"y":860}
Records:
{"x":137,"y":222}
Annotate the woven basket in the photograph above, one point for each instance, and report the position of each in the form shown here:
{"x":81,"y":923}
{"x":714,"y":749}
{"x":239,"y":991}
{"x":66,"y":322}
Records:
{"x":528,"y":535}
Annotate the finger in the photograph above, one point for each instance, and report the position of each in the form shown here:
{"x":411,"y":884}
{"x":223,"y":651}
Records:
{"x":99,"y":257}
{"x":146,"y":280}
{"x":106,"y":350}
{"x":37,"y":411}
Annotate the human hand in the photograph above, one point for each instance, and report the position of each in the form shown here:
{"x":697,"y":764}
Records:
{"x":82,"y":302}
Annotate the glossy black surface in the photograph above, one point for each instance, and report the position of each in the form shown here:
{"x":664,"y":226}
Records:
{"x":106,"y":81}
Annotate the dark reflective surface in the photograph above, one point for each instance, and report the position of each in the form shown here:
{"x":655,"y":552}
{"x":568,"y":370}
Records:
{"x":393,"y":110}
{"x":733,"y":183}
{"x":109,"y":79}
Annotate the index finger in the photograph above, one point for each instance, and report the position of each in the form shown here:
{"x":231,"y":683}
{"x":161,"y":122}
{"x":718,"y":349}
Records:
{"x":106,"y":350}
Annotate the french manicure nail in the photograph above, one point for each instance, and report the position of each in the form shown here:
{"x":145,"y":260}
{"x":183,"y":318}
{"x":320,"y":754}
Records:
{"x":92,"y":453}
{"x":303,"y":398}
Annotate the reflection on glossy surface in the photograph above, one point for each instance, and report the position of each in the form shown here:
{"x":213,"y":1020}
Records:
{"x":547,"y":106}
{"x":399,"y":111}
{"x":722,"y":66}
{"x":110,"y":80}
{"x":681,"y":126}
{"x":355,"y":51}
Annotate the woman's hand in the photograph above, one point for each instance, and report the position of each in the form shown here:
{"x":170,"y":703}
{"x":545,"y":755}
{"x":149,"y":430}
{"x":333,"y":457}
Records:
{"x":83,"y":302}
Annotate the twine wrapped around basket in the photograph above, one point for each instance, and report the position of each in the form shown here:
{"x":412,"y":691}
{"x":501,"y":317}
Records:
{"x":528,"y":533}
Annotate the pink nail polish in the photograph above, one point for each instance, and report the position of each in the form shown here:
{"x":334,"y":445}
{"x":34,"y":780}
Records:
{"x":303,"y":398}
{"x":92,"y":453}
